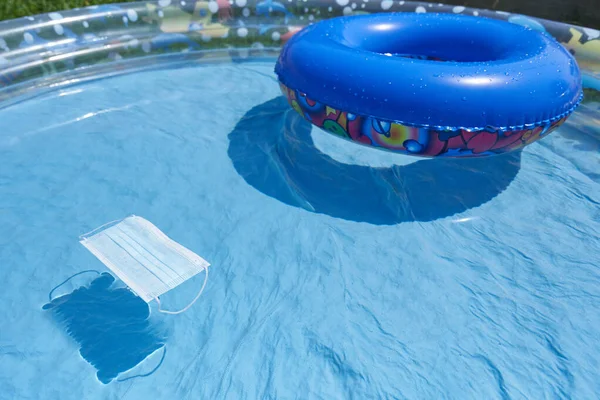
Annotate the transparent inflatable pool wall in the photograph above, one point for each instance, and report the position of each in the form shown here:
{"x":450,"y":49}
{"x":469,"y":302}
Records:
{"x":57,"y":48}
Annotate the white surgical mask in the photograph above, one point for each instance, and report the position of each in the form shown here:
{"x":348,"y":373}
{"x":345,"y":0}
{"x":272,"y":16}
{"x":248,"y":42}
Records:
{"x":144,"y":258}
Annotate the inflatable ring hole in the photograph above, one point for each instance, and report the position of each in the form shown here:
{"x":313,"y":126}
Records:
{"x":416,"y":57}
{"x":347,"y":152}
{"x":438,"y":40}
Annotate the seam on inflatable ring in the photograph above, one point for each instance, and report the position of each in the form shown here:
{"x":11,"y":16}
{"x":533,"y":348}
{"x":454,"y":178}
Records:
{"x":509,"y":128}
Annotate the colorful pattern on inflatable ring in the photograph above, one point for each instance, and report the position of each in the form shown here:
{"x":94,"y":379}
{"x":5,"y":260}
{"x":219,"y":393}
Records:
{"x":412,"y":140}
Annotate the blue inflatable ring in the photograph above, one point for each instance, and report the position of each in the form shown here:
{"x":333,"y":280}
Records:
{"x":430,"y":84}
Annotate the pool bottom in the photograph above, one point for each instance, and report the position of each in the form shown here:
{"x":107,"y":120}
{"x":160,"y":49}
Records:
{"x":300,"y":303}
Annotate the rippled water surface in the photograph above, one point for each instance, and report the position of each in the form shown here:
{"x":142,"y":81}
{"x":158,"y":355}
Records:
{"x":337,"y":271}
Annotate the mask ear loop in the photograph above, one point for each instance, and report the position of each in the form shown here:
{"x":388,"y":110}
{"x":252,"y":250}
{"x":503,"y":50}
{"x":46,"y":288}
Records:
{"x":189,"y":305}
{"x":147,"y":373}
{"x":68,"y":279}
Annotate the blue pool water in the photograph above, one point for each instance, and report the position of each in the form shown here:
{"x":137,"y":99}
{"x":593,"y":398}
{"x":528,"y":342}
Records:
{"x":336,"y":271}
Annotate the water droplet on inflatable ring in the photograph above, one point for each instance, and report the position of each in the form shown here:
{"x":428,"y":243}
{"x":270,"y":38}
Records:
{"x":413,"y":146}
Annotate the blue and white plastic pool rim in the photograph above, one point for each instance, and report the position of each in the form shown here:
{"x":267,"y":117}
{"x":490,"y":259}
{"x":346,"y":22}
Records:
{"x":500,"y":75}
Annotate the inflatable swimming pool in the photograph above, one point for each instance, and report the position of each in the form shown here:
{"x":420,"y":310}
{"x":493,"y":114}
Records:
{"x":337,"y":271}
{"x":41,"y":47}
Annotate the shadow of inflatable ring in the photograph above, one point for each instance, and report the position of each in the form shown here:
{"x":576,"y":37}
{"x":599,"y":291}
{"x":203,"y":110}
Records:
{"x":272,"y":150}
